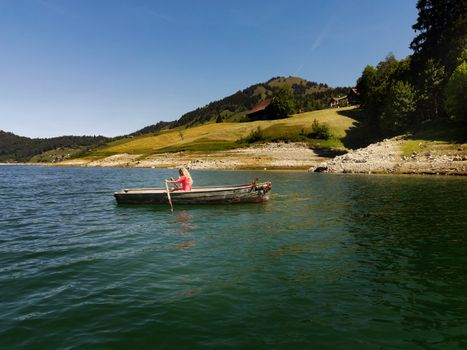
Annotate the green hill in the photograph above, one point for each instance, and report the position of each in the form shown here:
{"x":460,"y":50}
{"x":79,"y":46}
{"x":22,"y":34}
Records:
{"x":308,"y":96}
{"x":180,"y":133}
{"x":14,"y":148}
{"x":220,"y":136}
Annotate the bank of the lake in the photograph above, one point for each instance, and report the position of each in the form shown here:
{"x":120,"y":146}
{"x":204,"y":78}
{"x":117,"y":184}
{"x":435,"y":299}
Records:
{"x":400,"y":156}
{"x":332,"y":261}
{"x":391,"y":156}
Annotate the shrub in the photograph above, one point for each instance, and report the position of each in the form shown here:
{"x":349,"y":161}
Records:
{"x":320,"y":131}
{"x":254,"y":136}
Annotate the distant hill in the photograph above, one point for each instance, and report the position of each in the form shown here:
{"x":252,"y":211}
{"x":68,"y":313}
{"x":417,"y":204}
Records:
{"x":308,"y":96}
{"x":21,"y":149}
{"x":212,"y":137}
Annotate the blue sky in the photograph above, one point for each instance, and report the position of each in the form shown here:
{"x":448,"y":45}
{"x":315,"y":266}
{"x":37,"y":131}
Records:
{"x":110,"y":67}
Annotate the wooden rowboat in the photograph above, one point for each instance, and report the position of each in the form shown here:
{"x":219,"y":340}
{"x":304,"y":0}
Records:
{"x":251,"y":193}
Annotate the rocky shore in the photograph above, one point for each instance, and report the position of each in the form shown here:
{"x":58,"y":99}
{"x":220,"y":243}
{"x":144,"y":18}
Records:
{"x":387,"y":157}
{"x":296,"y":156}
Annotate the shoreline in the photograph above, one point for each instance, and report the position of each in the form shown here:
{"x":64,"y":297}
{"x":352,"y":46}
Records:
{"x":386,"y":157}
{"x":270,"y":156}
{"x":383,"y":157}
{"x":408,"y":172}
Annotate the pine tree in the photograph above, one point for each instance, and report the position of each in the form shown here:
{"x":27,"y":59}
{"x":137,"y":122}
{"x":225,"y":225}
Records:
{"x":442,"y":28}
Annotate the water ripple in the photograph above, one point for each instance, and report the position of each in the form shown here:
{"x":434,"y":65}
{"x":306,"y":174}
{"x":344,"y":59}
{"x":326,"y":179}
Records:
{"x":330,"y":262}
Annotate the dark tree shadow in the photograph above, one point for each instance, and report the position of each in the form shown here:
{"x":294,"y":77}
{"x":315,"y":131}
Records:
{"x":328,"y":152}
{"x":363,"y":133}
{"x":366,"y":131}
{"x":441,"y":130}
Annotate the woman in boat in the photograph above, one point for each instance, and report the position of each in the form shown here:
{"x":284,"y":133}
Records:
{"x":185,"y":180}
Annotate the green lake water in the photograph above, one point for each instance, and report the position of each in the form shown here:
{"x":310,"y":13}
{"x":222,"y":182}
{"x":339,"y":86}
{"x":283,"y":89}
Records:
{"x":331,"y":262}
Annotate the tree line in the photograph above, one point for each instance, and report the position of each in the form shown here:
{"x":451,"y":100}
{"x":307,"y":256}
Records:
{"x":22,"y":149}
{"x":429,"y":86}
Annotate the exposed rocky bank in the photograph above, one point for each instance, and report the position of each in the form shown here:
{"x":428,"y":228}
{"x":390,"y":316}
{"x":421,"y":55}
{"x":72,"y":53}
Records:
{"x":387,"y":157}
{"x":270,"y":156}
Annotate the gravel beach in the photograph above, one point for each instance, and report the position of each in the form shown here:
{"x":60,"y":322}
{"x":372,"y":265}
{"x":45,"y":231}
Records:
{"x":385,"y":157}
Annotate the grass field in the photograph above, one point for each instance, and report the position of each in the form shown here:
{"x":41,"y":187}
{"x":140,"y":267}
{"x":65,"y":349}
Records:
{"x":222,"y":136}
{"x":437,"y":138}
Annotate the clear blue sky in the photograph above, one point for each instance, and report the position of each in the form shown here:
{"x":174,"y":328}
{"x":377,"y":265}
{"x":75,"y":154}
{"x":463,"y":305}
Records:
{"x":110,"y":67}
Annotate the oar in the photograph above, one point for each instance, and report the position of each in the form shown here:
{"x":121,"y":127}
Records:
{"x":168,"y":195}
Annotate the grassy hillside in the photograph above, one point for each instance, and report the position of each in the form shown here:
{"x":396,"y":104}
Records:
{"x":221,"y":136}
{"x":308,"y":96}
{"x":192,"y":131}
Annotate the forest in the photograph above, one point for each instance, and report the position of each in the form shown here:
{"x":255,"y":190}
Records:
{"x":429,"y":87}
{"x":21,"y":149}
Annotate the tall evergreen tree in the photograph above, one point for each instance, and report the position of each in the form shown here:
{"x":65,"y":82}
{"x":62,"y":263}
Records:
{"x":442,"y":36}
{"x":442,"y":32}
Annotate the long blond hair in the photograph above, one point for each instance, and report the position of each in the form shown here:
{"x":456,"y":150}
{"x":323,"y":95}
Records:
{"x":185,"y":173}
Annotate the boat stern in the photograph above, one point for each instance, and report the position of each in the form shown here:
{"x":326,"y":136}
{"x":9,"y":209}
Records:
{"x":263,"y":190}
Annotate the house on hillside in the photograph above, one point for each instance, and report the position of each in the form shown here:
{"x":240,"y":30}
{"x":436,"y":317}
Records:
{"x":259,"y":111}
{"x":353,"y":97}
{"x":341,"y":101}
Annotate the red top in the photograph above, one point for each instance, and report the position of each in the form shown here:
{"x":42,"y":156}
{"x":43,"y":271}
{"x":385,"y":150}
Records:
{"x":186,"y":186}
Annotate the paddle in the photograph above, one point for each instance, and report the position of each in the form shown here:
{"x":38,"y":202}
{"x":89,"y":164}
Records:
{"x":168,"y":195}
{"x":176,"y":185}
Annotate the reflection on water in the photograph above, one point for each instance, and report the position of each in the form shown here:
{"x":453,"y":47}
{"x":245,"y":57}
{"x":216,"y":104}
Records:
{"x":183,"y":221}
{"x":186,"y":245}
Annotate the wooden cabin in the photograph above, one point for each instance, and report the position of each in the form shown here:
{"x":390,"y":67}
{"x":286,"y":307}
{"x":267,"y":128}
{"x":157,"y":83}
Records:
{"x":341,"y":101}
{"x":259,"y":111}
{"x":353,"y":97}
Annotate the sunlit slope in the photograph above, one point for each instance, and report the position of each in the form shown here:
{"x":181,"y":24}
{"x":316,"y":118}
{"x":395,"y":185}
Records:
{"x":223,"y":135}
{"x":336,"y":121}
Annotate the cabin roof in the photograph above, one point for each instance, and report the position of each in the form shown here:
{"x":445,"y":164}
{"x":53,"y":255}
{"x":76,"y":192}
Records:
{"x":260,"y":106}
{"x":338,"y":98}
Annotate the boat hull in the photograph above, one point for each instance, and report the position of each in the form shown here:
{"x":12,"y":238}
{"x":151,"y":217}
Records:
{"x":199,"y":195}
